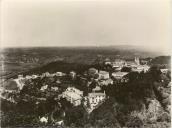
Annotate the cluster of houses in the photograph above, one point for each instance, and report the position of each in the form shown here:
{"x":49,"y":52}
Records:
{"x":96,"y":97}
{"x":91,"y":101}
{"x":101,"y":77}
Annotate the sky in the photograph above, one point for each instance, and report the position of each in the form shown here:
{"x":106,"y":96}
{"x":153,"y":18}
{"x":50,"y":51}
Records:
{"x":85,"y":23}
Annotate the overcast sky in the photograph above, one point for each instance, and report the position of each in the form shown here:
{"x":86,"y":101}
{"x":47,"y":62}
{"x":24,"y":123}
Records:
{"x":85,"y":23}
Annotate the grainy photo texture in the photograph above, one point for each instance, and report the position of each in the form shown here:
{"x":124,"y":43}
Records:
{"x":85,"y":64}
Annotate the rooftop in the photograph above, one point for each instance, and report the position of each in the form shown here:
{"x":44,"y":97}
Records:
{"x":94,"y":94}
{"x":103,"y":72}
{"x":73,"y":95}
{"x":120,"y":73}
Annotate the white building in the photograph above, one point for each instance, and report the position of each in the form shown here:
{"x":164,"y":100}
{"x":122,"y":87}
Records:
{"x":20,"y":76}
{"x":54,"y":88}
{"x":20,"y":83}
{"x":73,"y":95}
{"x":59,"y":74}
{"x":44,"y":119}
{"x":164,"y":71}
{"x":28,"y":77}
{"x":97,"y":88}
{"x":103,"y":75}
{"x":43,"y":88}
{"x":118,"y":63}
{"x":119,"y":75}
{"x":106,"y":82}
{"x":141,"y":68}
{"x":107,"y":61}
{"x":34,"y":76}
{"x":95,"y":99}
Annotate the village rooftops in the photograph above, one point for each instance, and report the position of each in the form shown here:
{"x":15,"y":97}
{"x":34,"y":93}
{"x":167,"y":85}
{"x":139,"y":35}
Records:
{"x":103,"y":72}
{"x":97,"y":88}
{"x":74,"y":95}
{"x":95,"y":94}
{"x":103,"y":75}
{"x":119,"y":74}
{"x":164,"y":70}
{"x":76,"y":91}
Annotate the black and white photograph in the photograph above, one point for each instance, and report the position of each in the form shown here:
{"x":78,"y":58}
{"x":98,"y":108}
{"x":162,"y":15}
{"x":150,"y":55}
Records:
{"x":85,"y":63}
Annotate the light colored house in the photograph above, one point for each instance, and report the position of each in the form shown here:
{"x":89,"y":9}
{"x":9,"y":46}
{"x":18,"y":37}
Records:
{"x":103,"y":75}
{"x":118,"y":63}
{"x":72,"y":74}
{"x":43,"y":88}
{"x":59,"y":74}
{"x":75,"y":90}
{"x":95,"y":99}
{"x":105,"y":82}
{"x":46,"y":74}
{"x":141,"y":68}
{"x":119,"y":75}
{"x":54,"y":88}
{"x":34,"y":76}
{"x":28,"y":77}
{"x":44,"y":119}
{"x":97,"y":88}
{"x":20,"y":76}
{"x":73,"y":95}
{"x":107,"y":61}
{"x":20,"y":83}
{"x":164,"y":71}
{"x":131,"y":64}
{"x":117,"y":69}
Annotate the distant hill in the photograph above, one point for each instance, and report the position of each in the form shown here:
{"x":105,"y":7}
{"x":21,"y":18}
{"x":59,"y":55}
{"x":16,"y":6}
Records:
{"x":162,"y":60}
{"x":59,"y":66}
{"x":23,"y":59}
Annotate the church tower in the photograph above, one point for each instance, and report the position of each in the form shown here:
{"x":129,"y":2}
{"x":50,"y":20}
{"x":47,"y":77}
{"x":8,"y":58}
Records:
{"x":137,"y":60}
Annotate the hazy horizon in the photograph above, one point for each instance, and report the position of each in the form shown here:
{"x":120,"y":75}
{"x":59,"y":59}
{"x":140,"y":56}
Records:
{"x":86,"y":23}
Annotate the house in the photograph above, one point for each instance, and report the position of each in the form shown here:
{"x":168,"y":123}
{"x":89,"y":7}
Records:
{"x":58,"y":74}
{"x":43,"y":88}
{"x":44,"y":120}
{"x":95,"y":98}
{"x":20,"y":83}
{"x":20,"y":76}
{"x":46,"y":74}
{"x":28,"y":77}
{"x":54,"y":88}
{"x":107,"y":61}
{"x":96,"y":89}
{"x":73,"y":95}
{"x":103,"y":75}
{"x":117,"y":69}
{"x":34,"y":76}
{"x":141,"y":68}
{"x":118,"y":63}
{"x":105,"y":82}
{"x":164,"y":71}
{"x":120,"y":76}
{"x":59,"y":123}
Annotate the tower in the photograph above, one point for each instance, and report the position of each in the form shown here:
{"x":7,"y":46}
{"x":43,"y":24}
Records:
{"x":137,"y":60}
